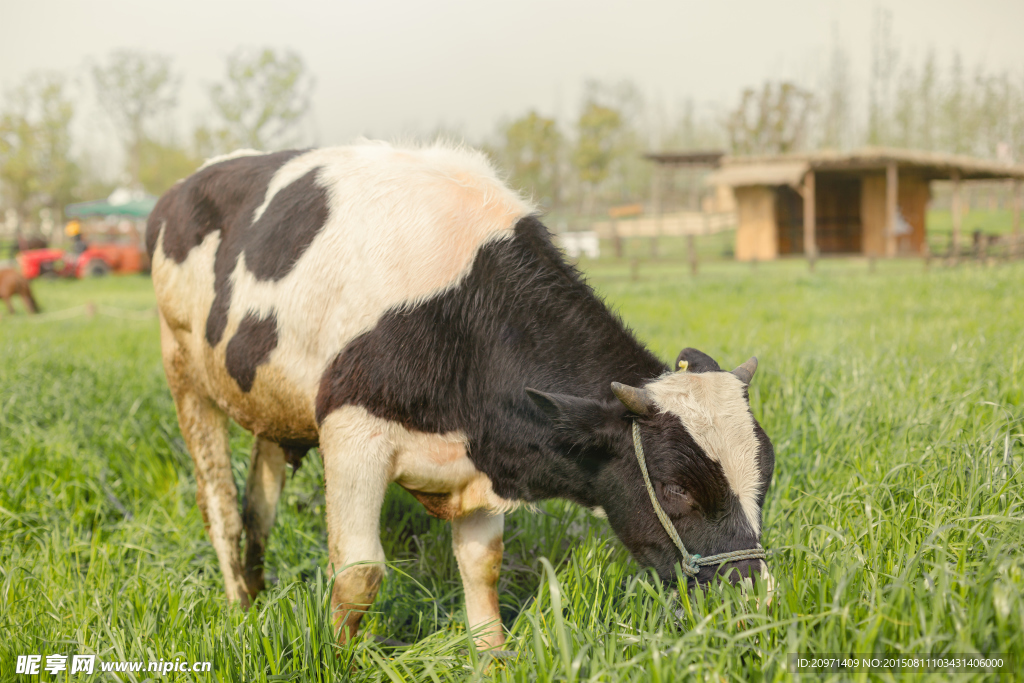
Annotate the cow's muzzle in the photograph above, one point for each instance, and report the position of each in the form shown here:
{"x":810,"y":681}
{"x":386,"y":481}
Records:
{"x":744,"y":573}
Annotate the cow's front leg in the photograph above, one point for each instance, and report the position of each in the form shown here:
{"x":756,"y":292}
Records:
{"x":267,"y":472}
{"x":358,"y":462}
{"x":478,"y":545}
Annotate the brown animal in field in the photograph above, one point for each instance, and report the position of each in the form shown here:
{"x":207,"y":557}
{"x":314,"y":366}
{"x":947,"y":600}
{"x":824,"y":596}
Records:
{"x":12,"y":282}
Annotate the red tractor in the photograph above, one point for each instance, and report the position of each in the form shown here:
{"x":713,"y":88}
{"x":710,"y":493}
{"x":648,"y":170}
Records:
{"x":105,"y":246}
{"x":36,"y":262}
{"x":96,"y":260}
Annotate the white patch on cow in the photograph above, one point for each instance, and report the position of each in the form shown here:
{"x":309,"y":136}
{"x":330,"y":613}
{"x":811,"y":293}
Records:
{"x":714,"y":412}
{"x":404,"y":225}
{"x":231,"y":155}
{"x":440,"y":464}
{"x":436,"y":464}
{"x":184,"y":291}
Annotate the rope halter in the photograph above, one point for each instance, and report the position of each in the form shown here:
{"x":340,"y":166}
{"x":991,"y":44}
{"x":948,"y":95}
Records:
{"x":690,"y":564}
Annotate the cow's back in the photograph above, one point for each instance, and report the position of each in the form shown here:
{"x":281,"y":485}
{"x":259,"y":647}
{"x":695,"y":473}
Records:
{"x":267,"y":265}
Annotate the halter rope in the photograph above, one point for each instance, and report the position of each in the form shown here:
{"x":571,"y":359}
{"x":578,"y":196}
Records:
{"x":691,"y":564}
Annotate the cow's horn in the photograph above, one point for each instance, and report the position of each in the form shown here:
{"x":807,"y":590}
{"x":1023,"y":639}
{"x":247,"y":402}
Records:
{"x":637,"y":400}
{"x":746,"y":371}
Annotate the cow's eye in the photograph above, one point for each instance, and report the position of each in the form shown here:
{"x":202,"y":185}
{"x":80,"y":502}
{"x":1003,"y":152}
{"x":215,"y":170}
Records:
{"x":674,"y":490}
{"x":678,"y":500}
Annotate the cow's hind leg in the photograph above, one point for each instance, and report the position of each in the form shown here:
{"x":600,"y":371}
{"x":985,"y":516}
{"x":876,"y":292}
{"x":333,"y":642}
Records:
{"x":267,"y":473}
{"x":477,"y":542}
{"x":358,"y":462}
{"x":205,"y":430}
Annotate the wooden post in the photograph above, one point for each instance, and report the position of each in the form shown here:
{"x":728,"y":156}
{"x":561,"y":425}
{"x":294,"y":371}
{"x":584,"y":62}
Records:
{"x":1018,"y":248}
{"x":656,"y":190}
{"x":691,"y":248}
{"x":891,"y":207}
{"x":954,"y":244}
{"x":616,"y":238}
{"x":810,"y":241}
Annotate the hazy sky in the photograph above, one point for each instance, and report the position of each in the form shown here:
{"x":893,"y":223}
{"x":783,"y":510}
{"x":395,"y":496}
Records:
{"x":387,"y":68}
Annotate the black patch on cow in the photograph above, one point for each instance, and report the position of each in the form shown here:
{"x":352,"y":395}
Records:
{"x":295,"y":451}
{"x":462,"y":360}
{"x":250,"y":347}
{"x":271,"y":246}
{"x":223,"y":197}
{"x":765,"y":462}
{"x":286,"y":229}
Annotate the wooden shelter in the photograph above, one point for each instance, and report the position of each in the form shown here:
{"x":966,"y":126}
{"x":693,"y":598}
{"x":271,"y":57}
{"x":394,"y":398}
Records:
{"x":870,"y":201}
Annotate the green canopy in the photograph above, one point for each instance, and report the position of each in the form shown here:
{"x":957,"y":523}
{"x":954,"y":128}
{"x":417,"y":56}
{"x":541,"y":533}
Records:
{"x":136,"y":208}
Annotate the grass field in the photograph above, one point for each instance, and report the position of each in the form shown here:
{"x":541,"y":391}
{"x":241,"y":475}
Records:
{"x":894,"y":399}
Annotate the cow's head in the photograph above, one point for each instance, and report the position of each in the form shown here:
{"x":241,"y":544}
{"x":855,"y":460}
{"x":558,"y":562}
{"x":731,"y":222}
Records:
{"x":709,"y":461}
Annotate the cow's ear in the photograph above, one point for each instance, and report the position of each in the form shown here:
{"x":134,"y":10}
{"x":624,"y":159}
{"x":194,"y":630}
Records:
{"x":552,"y":405}
{"x":583,"y":420}
{"x":693,"y":360}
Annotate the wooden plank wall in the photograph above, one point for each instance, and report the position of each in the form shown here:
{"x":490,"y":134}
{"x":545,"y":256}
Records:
{"x":756,"y":233}
{"x":914,"y":193}
{"x":872,"y":214}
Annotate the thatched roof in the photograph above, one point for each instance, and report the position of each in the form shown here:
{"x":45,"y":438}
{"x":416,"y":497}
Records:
{"x":698,"y":158}
{"x":788,"y":169}
{"x":768,"y":173}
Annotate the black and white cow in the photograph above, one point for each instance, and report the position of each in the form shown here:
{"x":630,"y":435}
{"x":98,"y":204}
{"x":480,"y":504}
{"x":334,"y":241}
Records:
{"x":406,"y":312}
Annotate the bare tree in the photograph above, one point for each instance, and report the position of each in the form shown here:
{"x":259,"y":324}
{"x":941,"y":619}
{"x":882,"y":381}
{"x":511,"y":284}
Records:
{"x":927,"y":92}
{"x":902,"y":129}
{"x":135,"y":88}
{"x":264,"y":99}
{"x":774,"y":120}
{"x":954,"y":109}
{"x":837,"y":118}
{"x":884,"y":59}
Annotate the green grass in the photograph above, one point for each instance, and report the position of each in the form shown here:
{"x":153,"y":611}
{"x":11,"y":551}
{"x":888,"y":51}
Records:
{"x":940,"y":227}
{"x":896,"y":517}
{"x":995,"y":222}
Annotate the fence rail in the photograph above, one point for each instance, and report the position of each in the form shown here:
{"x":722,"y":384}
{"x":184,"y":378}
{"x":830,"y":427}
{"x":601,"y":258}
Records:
{"x":668,"y":225}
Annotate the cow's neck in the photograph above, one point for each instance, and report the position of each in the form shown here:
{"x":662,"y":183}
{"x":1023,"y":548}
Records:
{"x":557,"y":337}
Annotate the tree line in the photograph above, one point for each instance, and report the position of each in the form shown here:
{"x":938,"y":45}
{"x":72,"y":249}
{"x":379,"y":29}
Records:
{"x":928,"y":103}
{"x":260,"y":104}
{"x":575,"y":167}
